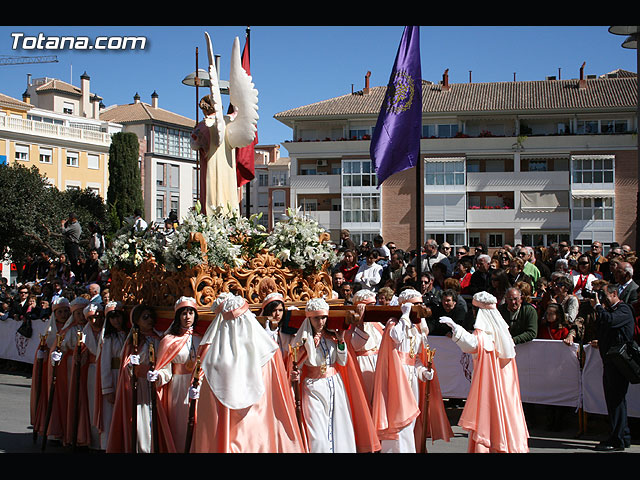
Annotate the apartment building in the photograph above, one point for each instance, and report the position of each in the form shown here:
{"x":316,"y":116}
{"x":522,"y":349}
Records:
{"x":168,"y":165}
{"x":56,"y":127}
{"x":505,"y":162}
{"x":269,"y":191}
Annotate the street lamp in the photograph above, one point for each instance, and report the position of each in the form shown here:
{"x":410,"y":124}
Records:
{"x":631,"y":42}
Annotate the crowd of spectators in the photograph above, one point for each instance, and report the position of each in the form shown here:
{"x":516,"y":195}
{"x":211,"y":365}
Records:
{"x":542,"y":291}
{"x":76,"y":271}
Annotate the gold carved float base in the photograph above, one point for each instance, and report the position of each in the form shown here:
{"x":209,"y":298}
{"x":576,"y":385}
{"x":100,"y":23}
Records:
{"x":153,"y":285}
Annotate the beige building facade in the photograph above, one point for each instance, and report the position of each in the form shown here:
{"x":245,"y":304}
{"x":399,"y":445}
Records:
{"x":528,"y":162}
{"x":56,"y":127}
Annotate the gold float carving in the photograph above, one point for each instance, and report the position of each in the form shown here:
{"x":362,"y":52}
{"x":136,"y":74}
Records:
{"x":260,"y":275}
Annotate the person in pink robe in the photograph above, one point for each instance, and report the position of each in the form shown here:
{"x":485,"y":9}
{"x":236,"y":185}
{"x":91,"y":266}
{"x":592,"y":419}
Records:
{"x":177,"y":355}
{"x":245,"y":401}
{"x":63,"y":358}
{"x":399,"y":394}
{"x":60,"y":311}
{"x":493,"y":413}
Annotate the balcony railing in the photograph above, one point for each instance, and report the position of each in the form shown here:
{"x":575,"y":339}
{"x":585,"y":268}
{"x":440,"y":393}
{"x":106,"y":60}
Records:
{"x":21,"y":125}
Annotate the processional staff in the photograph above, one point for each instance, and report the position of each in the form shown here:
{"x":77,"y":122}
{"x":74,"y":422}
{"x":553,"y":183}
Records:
{"x":425,"y":414}
{"x":56,"y":356}
{"x":42,"y":347}
{"x":153,"y":394}
{"x":76,"y":383}
{"x":193,"y":401}
{"x":293,"y":352}
{"x":134,"y":392}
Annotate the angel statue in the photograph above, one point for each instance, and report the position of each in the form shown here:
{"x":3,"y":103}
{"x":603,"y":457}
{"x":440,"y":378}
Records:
{"x":218,"y":135}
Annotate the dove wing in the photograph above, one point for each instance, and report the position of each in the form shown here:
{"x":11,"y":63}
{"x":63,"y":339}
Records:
{"x":242,"y":128}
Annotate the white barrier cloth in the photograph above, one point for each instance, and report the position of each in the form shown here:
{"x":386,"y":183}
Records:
{"x":548,"y":370}
{"x":593,"y":392}
{"x":14,"y":346}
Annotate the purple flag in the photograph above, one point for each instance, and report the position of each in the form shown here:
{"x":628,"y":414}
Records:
{"x":395,"y":143}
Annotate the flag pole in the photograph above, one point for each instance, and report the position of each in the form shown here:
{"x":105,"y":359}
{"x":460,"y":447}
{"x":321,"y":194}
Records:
{"x":419,"y":218}
{"x":395,"y":143}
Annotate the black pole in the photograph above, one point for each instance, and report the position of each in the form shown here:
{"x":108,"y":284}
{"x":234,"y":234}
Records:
{"x":419,"y":219}
{"x":248,"y":184}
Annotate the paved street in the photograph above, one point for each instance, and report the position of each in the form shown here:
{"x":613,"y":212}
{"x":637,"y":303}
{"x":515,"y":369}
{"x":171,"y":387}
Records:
{"x":16,"y":434}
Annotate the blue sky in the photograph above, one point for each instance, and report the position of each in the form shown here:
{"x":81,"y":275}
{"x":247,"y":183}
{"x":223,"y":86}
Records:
{"x":299,"y":65}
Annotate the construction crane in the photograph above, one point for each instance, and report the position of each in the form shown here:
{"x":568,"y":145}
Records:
{"x":9,"y":60}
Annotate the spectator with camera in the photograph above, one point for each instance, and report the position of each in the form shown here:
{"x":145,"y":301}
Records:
{"x":614,"y":326}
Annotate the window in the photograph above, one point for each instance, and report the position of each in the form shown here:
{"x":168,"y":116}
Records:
{"x":46,"y":155}
{"x":174,"y":176}
{"x":263,"y":199}
{"x":359,"y":133}
{"x":278,"y":199}
{"x":358,"y":173}
{"x":598,"y":208}
{"x":67,"y":107}
{"x":175,"y":203}
{"x":542,"y":239}
{"x":495,"y":239}
{"x":279,"y":179}
{"x":22,"y":153}
{"x":444,"y":208}
{"x":613,"y":126}
{"x":454,"y":239}
{"x":440,"y":131}
{"x":539,"y":165}
{"x":263,"y":180}
{"x":307,"y":170}
{"x":72,"y":159}
{"x":93,"y":161}
{"x":444,"y":173}
{"x":160,"y":175}
{"x":588,"y":127}
{"x":309,"y":204}
{"x":592,"y":170}
{"x":171,"y":141}
{"x":360,"y":207}
{"x":160,"y":206}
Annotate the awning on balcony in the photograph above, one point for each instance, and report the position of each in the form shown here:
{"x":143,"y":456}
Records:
{"x":593,"y":193}
{"x":551,"y":201}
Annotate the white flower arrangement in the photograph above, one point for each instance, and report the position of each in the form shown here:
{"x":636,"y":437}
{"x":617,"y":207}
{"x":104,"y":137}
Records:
{"x":129,"y":249}
{"x":296,"y":242}
{"x":230,"y":240}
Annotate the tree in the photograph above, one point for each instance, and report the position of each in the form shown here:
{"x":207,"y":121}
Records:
{"x":31,"y":211}
{"x":125,"y":188}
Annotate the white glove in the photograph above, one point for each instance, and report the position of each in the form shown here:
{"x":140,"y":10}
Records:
{"x":56,"y":356}
{"x":194,"y":393}
{"x":152,"y":375}
{"x":427,"y":375}
{"x":405,"y":308}
{"x":134,"y":359}
{"x":450,"y":323}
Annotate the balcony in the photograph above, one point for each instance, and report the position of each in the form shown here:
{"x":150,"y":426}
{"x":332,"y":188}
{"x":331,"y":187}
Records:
{"x":50,"y":131}
{"x":316,"y":183}
{"x":501,"y":181}
{"x":329,"y":220}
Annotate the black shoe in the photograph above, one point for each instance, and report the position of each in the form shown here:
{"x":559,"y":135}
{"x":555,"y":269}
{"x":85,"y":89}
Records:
{"x":607,"y":447}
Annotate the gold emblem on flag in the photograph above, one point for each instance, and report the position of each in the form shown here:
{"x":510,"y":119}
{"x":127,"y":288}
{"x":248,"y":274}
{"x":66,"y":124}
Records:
{"x":400,"y":92}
